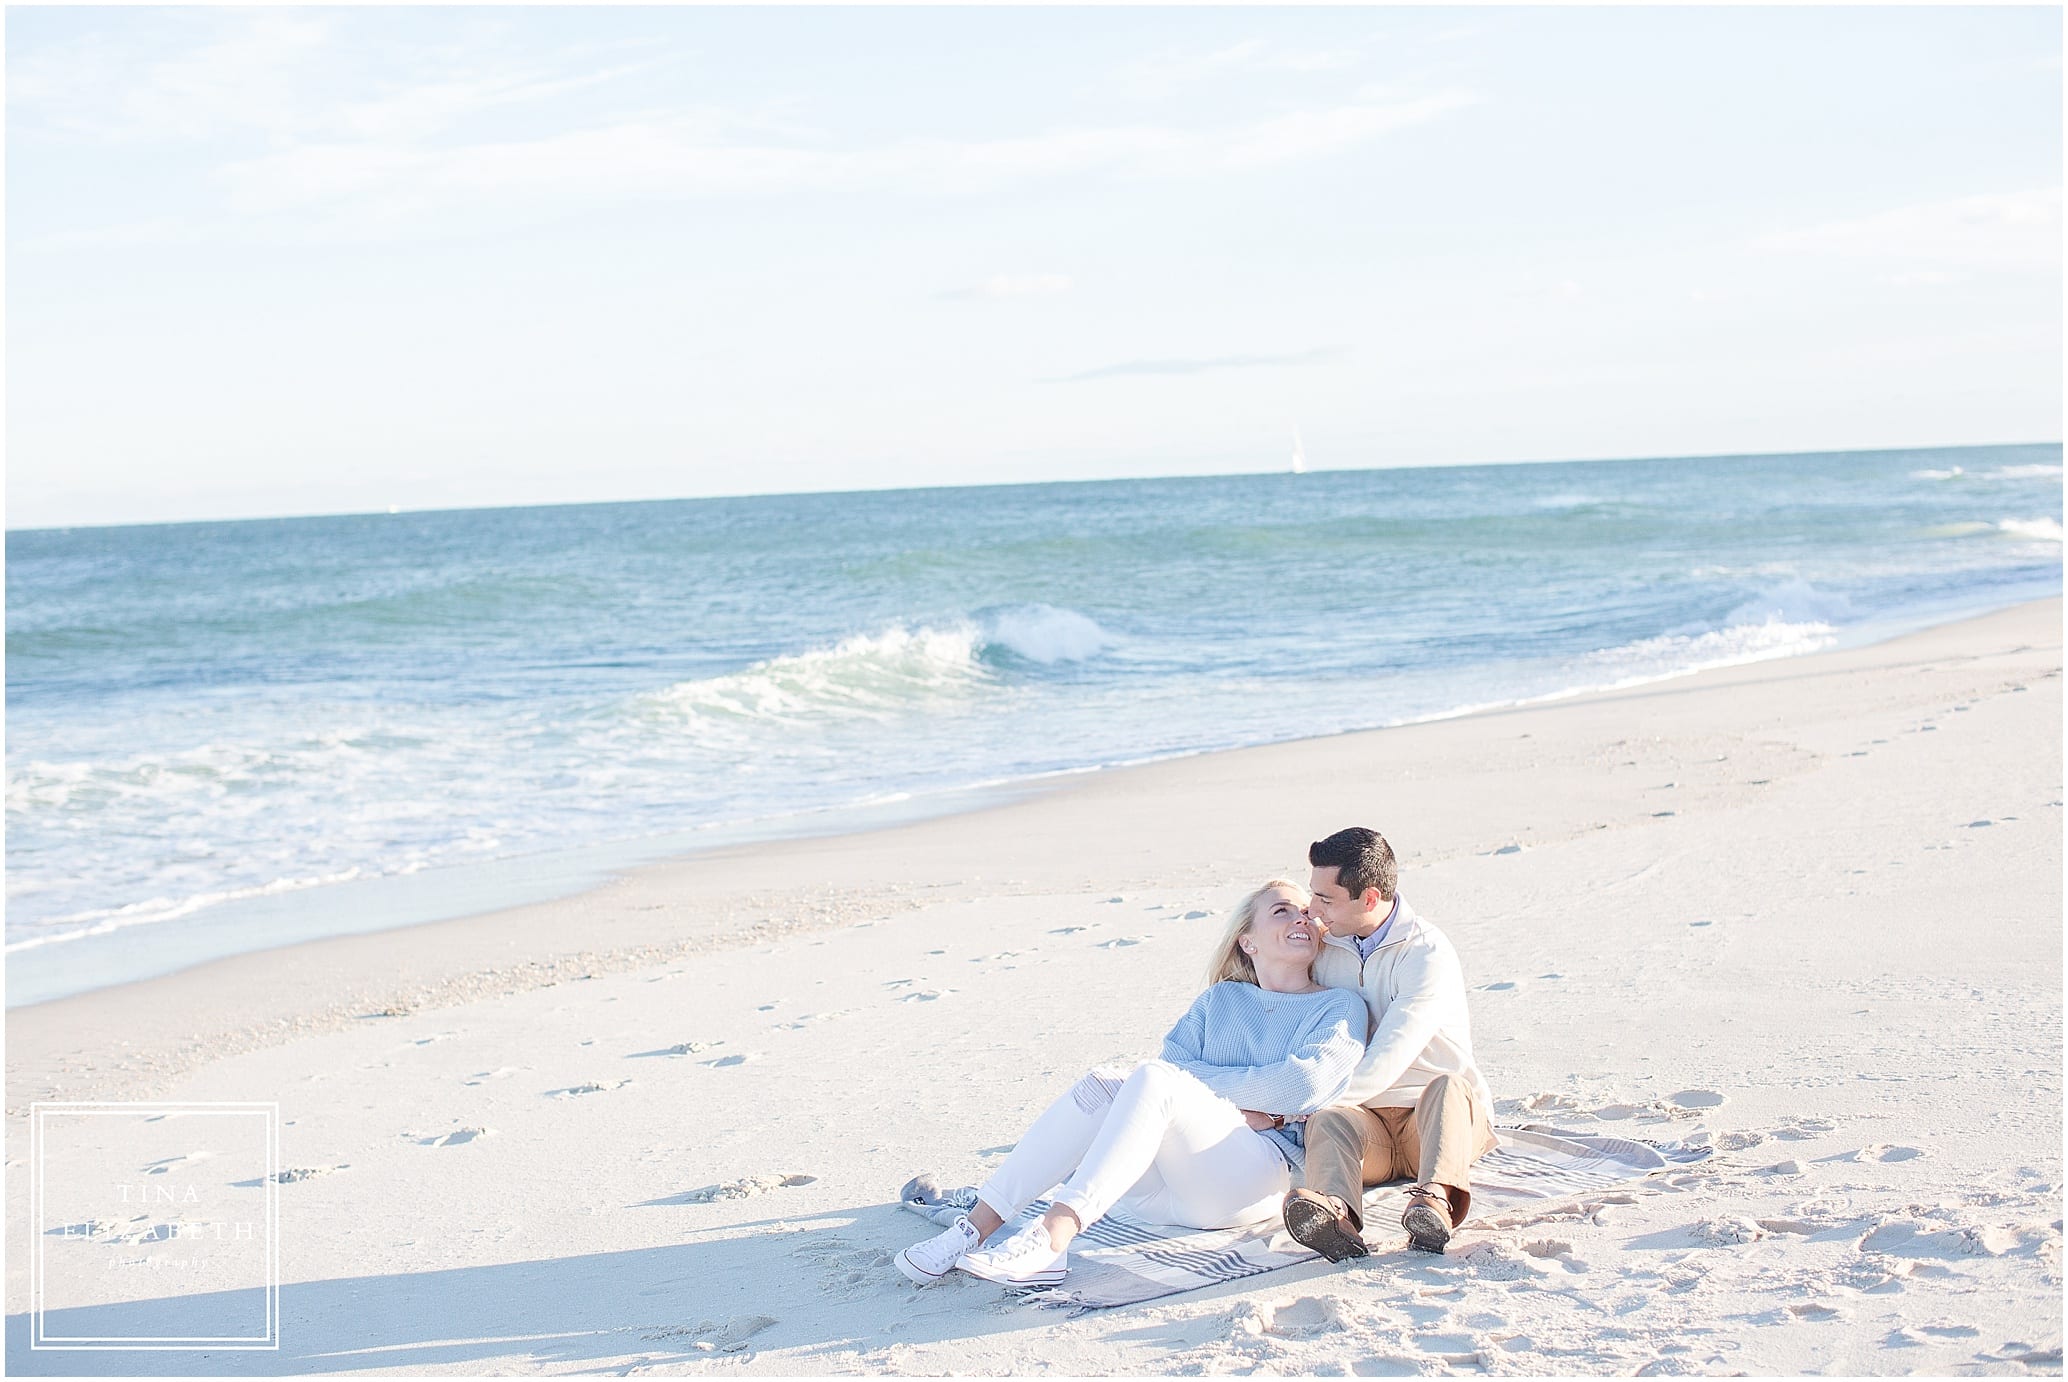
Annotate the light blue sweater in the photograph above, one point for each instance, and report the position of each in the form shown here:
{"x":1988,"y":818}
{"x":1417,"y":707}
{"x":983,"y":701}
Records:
{"x":1289,"y":1053}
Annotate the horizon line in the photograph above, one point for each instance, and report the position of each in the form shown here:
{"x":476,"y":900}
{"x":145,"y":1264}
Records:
{"x":396,"y":512}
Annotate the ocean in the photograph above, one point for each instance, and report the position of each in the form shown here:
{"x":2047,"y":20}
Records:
{"x":223,"y":736}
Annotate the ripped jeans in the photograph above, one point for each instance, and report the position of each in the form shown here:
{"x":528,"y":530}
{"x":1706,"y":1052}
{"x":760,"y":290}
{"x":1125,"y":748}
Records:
{"x":1155,"y":1142}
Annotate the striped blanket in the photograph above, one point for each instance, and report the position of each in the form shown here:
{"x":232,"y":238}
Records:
{"x":1118,"y":1261}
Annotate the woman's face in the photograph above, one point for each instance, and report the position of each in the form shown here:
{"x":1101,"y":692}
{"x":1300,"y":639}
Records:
{"x":1281,"y":930}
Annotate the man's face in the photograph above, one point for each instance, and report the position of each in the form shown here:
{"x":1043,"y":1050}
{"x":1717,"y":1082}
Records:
{"x":1341,"y":913}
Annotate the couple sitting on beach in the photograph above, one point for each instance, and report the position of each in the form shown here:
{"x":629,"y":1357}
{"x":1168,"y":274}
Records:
{"x":1267,"y":1100}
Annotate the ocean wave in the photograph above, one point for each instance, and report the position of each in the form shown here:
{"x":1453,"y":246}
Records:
{"x":1668,"y":655}
{"x":2002,"y":472}
{"x":2032,"y":529}
{"x":101,"y":921}
{"x":1043,"y":634}
{"x":1787,"y":603}
{"x":875,"y":676}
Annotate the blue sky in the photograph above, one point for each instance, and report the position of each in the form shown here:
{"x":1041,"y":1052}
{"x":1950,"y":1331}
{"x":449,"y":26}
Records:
{"x":280,"y":261}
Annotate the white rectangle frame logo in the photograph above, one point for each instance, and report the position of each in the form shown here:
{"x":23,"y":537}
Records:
{"x":269,"y":1113}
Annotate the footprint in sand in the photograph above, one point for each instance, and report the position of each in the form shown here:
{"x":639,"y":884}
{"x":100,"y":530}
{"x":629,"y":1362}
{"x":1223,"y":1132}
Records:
{"x":292,"y":1174}
{"x":500,"y":1073}
{"x":1195,"y":916}
{"x":1618,"y":1112}
{"x":716,"y":1336}
{"x":457,"y":1137}
{"x":159,"y":1168}
{"x":592,"y":1087}
{"x":1695,"y":1098}
{"x":1308,"y":1317}
{"x":1066,"y":930}
{"x":1549,"y":1103}
{"x":1118,"y":942}
{"x":734,"y":1333}
{"x":745,"y":1188}
{"x":1504,"y":986}
{"x":725,"y":1062}
{"x":1877,"y":1151}
{"x":682,"y":1048}
{"x":1725,"y":1232}
{"x":1803,"y":1129}
{"x":1813,"y":1310}
{"x":925,"y":995}
{"x":298,"y":1173}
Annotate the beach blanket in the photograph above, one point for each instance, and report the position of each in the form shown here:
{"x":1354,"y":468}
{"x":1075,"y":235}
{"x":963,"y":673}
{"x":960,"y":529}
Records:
{"x":1119,"y":1261}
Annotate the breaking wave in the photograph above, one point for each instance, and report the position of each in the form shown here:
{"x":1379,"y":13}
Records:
{"x":874,"y":676}
{"x":2032,"y":529}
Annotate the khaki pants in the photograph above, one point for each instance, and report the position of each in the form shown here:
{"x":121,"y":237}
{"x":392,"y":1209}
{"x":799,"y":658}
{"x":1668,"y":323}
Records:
{"x":1436,"y":1142}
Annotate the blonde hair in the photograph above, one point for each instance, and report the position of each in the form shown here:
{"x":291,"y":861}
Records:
{"x":1230,"y":960}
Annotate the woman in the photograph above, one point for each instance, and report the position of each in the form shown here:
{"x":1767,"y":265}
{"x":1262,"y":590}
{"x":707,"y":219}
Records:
{"x":1199,"y":1137}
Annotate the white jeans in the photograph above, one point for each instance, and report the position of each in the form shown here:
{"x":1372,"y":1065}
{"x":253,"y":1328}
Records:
{"x":1155,"y":1141}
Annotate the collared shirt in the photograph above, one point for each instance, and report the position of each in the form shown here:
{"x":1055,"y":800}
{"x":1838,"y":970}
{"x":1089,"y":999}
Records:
{"x":1367,"y":944}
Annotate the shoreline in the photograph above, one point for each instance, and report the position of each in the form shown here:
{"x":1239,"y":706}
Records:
{"x":459,"y":891}
{"x":326,"y":982}
{"x":1802,"y":913}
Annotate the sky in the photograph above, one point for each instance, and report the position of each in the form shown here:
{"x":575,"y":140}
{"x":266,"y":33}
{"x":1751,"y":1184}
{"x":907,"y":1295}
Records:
{"x":264,"y":262}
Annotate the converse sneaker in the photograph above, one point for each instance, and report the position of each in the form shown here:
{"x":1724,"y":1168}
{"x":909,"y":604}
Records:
{"x":1025,"y":1259}
{"x":928,"y":1262}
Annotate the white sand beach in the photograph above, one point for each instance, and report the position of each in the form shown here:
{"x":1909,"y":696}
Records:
{"x":1811,"y":909}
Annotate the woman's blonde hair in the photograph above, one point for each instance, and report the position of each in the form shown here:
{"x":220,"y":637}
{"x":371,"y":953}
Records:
{"x":1230,"y":960}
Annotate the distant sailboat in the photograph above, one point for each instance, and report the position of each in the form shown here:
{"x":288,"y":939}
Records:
{"x":1299,"y":454}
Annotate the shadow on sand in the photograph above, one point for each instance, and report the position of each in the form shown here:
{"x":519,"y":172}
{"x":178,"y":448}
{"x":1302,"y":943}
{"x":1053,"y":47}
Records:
{"x":774,"y":1283}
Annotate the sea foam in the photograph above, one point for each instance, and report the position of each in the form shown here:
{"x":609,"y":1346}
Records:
{"x":2033,"y":529}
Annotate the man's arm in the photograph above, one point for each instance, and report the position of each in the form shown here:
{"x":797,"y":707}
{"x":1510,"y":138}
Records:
{"x":1429,"y":981}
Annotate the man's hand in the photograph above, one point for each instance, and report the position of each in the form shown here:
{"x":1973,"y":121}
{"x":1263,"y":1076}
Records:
{"x":1261,"y":1122}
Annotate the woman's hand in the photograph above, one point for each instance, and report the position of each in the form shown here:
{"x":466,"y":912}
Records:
{"x":1262,"y":1122}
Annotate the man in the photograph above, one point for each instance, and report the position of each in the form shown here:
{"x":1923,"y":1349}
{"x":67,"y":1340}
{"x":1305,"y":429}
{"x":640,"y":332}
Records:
{"x":1417,"y":1105}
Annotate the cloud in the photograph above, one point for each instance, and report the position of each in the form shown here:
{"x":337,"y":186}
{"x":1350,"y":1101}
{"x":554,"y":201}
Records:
{"x":1012,"y":286}
{"x":1998,"y":230}
{"x":305,"y":139}
{"x":1200,"y":366}
{"x":247,"y":70}
{"x":691,"y":156}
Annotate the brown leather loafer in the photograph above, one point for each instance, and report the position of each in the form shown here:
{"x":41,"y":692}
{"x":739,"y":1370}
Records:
{"x":1427,"y":1218}
{"x":1323,"y":1223}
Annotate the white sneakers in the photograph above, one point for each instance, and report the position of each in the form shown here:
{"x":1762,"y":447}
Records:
{"x":928,"y":1262}
{"x":1025,"y":1259}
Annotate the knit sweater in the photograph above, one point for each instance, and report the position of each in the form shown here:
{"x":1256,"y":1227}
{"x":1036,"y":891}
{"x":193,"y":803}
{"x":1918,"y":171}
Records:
{"x":1289,"y":1053}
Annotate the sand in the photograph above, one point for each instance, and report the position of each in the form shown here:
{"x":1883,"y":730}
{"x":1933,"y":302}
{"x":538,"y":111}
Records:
{"x":1808,"y":909}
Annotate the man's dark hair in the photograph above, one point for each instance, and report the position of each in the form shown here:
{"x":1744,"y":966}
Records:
{"x":1361,"y":858}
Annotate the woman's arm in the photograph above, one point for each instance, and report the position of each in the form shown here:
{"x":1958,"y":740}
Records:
{"x":1311,"y":1076}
